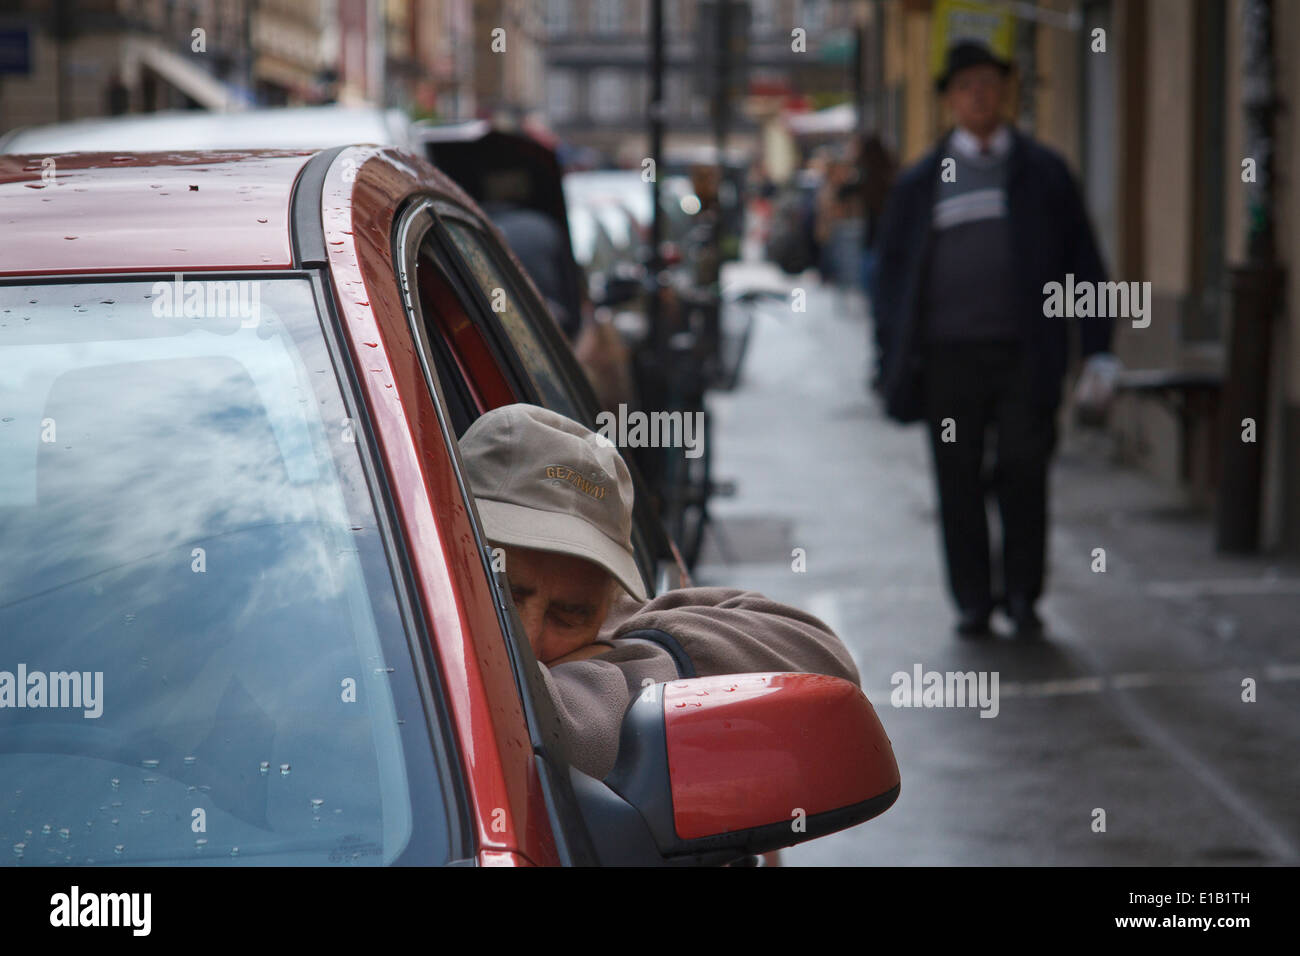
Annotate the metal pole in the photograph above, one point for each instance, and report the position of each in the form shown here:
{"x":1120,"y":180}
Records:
{"x":859,"y":74}
{"x":1256,"y":292}
{"x":656,"y":157}
{"x":721,"y":90}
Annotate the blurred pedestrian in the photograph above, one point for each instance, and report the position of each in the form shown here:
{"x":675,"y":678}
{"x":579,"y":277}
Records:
{"x":836,"y":221}
{"x":876,"y":170}
{"x":969,"y":237}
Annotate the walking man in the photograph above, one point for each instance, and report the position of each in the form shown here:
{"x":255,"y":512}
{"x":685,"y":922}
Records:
{"x":969,"y":238}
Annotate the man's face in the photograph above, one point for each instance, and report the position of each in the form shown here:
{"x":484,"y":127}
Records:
{"x":976,"y":96}
{"x":562,"y":600}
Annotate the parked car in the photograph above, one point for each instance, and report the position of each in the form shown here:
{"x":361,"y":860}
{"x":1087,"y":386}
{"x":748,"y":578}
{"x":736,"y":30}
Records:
{"x":516,"y":180}
{"x":239,"y":561}
{"x":298,"y":127}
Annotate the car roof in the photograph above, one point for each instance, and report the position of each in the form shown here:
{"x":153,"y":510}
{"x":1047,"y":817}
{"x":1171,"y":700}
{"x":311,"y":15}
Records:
{"x":306,"y":127}
{"x":112,"y":212}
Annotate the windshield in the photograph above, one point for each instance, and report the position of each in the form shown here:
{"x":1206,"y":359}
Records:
{"x":201,"y":654}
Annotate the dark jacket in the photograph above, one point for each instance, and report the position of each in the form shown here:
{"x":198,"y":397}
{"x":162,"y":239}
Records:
{"x":1050,"y":237}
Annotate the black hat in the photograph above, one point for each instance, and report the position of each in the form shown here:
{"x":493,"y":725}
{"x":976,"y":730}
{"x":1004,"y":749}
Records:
{"x":968,"y":53}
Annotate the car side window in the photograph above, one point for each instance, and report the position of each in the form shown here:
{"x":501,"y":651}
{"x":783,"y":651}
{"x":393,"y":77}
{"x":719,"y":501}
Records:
{"x":461,"y":352}
{"x":504,"y":298}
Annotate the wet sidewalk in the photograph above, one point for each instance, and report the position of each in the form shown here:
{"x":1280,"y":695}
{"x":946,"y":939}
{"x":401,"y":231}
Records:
{"x":1132,"y":705}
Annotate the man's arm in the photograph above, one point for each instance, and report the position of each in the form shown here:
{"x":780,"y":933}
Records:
{"x":1084,"y":261}
{"x":890,"y":276}
{"x":591,"y":696}
{"x":729,"y":631}
{"x":722,"y":631}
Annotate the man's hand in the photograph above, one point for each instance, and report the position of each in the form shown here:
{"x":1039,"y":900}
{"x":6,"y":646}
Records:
{"x":581,"y":654}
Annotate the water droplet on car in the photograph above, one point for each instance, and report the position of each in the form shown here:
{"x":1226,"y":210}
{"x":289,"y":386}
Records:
{"x":46,"y":829}
{"x":260,"y":219}
{"x":119,"y":849}
{"x":114,"y":783}
{"x":189,"y":761}
{"x":18,"y":849}
{"x":263,"y":767}
{"x":200,"y":843}
{"x":149,"y":764}
{"x":317,"y":803}
{"x":234,"y":851}
{"x":64,"y":833}
{"x":284,"y":770}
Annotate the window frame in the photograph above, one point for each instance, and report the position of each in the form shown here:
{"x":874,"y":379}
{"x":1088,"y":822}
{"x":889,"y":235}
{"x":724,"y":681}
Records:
{"x":418,"y":226}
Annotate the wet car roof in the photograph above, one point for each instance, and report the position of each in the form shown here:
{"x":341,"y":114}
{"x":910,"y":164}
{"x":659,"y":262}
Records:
{"x":107,"y":212}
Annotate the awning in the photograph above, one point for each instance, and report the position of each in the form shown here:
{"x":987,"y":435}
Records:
{"x":194,"y":81}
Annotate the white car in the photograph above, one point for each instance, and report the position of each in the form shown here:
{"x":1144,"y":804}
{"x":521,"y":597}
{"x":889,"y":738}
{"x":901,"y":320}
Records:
{"x":303,"y":127}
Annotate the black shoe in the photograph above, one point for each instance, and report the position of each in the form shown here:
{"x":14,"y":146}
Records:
{"x":1028,"y":625}
{"x":973,"y":625}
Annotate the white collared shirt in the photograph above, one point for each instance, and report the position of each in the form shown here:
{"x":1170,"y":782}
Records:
{"x":970,"y":147}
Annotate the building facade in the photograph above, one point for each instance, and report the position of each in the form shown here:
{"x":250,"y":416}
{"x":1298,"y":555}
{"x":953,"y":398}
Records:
{"x":598,"y":83}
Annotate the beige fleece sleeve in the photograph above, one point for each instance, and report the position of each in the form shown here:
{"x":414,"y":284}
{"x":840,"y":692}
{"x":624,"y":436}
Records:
{"x":729,"y":631}
{"x":722,"y":630}
{"x":592,"y":696}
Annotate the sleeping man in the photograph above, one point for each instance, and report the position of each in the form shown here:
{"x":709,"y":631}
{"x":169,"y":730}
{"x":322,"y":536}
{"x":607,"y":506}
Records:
{"x":557,"y":498}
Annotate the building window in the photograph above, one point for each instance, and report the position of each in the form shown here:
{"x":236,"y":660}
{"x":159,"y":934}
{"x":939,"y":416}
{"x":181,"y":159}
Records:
{"x":558,"y":17}
{"x":609,"y":16}
{"x":608,"y":95}
{"x":561,"y":95}
{"x":679,"y":18}
{"x":812,"y":14}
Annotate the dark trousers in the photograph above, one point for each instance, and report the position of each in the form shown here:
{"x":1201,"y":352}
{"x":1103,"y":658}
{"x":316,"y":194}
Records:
{"x":970,"y":391}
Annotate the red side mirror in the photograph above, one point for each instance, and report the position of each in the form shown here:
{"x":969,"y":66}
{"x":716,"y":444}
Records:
{"x":759,"y":749}
{"x":721,"y":767}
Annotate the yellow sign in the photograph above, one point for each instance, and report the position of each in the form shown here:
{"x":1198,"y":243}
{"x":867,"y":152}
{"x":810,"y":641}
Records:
{"x":952,"y":20}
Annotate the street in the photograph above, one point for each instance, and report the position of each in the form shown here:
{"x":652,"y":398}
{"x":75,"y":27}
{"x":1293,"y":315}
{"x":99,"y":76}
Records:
{"x":1132,"y":705}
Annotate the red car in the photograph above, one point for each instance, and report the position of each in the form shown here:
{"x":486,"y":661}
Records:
{"x":247,"y":613}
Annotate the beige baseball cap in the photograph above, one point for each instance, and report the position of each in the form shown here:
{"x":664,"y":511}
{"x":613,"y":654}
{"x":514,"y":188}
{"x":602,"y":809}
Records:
{"x":543,"y":481}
